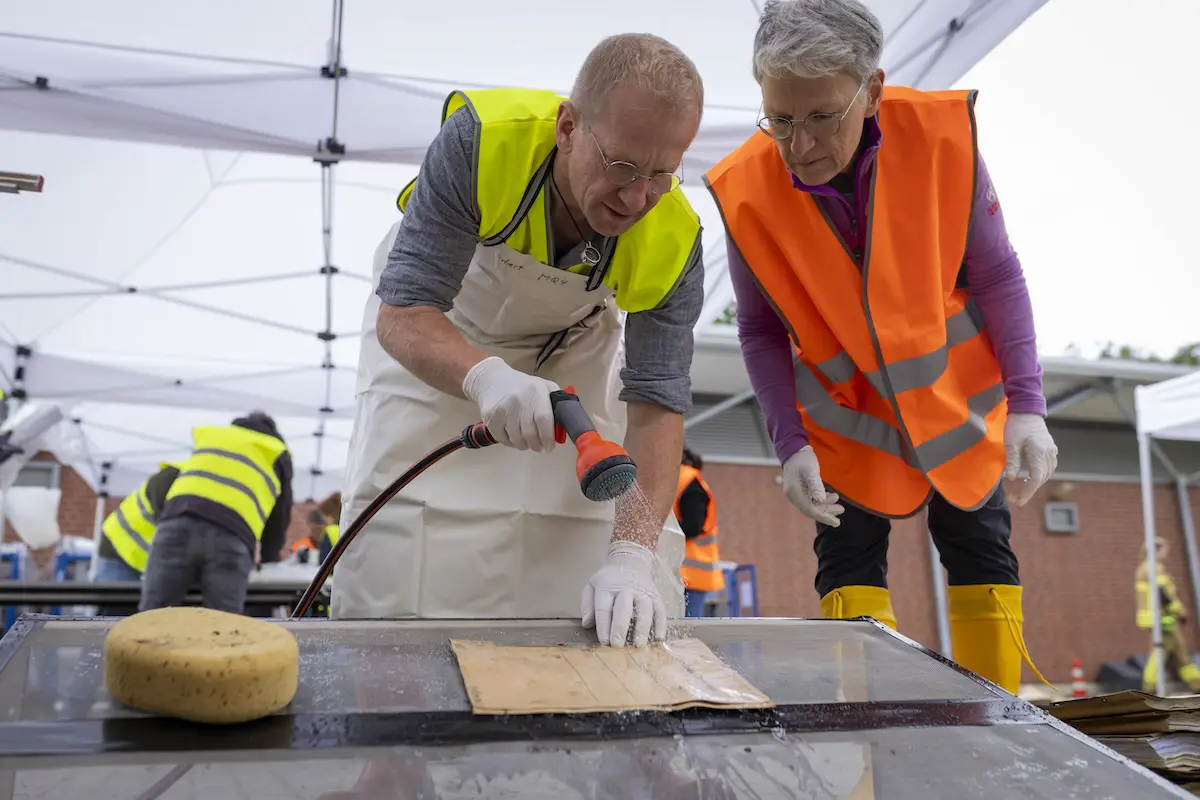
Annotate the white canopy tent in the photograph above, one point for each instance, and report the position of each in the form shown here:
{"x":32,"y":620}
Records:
{"x":1167,"y":410}
{"x":218,"y":175}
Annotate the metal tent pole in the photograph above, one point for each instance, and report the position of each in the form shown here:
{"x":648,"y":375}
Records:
{"x":1144,"y":461}
{"x":335,"y":149}
{"x":1182,"y":485}
{"x":98,"y":524}
{"x":945,"y":646}
{"x":1185,"y":511}
{"x":718,"y":409}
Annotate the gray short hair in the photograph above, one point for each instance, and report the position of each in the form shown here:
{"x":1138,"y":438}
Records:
{"x":817,"y":38}
{"x":650,"y":62}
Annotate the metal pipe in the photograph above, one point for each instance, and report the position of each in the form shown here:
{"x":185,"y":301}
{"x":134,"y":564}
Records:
{"x":80,"y":593}
{"x":14,"y":182}
{"x":718,"y":409}
{"x":946,"y":647}
{"x":1151,"y":559}
{"x":1189,"y":534}
{"x":98,"y":522}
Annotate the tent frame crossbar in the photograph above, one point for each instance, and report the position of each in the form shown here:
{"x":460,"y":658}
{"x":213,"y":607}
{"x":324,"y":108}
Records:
{"x":329,"y":153}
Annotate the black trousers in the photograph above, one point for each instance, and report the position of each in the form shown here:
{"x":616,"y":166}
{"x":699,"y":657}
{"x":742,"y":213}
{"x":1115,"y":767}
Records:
{"x":974,"y":546}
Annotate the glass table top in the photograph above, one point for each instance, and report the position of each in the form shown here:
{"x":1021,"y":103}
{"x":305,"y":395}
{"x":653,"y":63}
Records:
{"x":408,"y":666}
{"x":382,"y":712}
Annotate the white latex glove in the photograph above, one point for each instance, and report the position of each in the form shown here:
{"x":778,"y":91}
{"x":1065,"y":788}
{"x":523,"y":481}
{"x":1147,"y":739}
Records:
{"x":623,"y":591}
{"x":1025,"y":436}
{"x":804,"y":488}
{"x":514,"y":406}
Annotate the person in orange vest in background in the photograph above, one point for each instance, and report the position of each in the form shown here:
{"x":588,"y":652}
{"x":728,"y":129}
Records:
{"x":697,"y":514}
{"x":885,"y":322}
{"x":304,"y":549}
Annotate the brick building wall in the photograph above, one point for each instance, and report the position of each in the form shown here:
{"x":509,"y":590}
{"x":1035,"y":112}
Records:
{"x":1079,"y":588}
{"x":1079,"y":595}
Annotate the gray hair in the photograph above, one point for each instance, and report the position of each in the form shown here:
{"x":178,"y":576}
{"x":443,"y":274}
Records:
{"x":649,"y":62}
{"x":817,"y":38}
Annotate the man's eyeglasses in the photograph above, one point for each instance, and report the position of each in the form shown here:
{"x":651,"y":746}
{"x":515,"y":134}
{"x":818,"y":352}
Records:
{"x":622,"y":173}
{"x":818,"y":125}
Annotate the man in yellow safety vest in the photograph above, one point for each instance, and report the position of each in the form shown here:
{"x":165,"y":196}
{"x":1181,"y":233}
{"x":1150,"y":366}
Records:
{"x":544,"y":244}
{"x":231,"y":500}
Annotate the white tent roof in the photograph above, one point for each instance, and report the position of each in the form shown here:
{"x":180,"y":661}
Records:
{"x":172,"y":271}
{"x":1171,"y":409}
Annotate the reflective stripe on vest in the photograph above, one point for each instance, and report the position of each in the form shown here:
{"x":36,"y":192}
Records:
{"x":897,"y":383}
{"x":235,"y":467}
{"x":700,"y":570}
{"x":130,"y":528}
{"x":514,"y":142}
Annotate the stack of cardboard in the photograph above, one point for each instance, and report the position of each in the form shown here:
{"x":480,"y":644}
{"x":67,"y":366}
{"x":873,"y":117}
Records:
{"x":1160,"y":733}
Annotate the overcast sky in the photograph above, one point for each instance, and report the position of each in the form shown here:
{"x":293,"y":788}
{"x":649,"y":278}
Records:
{"x":1080,"y":113}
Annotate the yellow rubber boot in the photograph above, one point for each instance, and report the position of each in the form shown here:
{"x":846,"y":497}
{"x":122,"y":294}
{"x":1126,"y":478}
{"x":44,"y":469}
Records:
{"x":859,"y":601}
{"x":985,"y":630}
{"x":1190,"y":674}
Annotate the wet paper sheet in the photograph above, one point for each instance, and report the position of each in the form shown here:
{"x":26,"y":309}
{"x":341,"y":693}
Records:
{"x":565,"y":679}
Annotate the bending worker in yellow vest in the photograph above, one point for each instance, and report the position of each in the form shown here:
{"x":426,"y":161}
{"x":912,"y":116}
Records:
{"x":885,"y":323}
{"x":696,"y":511}
{"x":128,"y":532}
{"x":233,"y":498}
{"x":543,"y":245}
{"x":1174,"y":616}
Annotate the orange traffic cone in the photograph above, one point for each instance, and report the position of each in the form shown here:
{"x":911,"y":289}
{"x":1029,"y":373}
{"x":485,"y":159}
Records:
{"x":1078,"y":688}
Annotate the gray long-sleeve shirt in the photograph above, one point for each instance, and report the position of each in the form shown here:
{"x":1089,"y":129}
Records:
{"x":436,"y":242}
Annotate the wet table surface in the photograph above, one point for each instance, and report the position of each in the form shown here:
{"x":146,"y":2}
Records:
{"x":381,"y":712}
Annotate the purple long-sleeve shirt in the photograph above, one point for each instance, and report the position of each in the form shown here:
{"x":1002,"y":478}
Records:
{"x":993,"y":277}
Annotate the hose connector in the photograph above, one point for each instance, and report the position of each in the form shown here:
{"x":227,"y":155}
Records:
{"x":474,"y":437}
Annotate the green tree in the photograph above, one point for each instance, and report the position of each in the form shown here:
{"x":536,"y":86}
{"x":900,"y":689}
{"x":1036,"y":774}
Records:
{"x":1187,"y":355}
{"x":728,"y":316}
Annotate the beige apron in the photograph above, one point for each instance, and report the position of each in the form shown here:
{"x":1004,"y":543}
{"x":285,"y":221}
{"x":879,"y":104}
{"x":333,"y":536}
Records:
{"x":497,"y":532}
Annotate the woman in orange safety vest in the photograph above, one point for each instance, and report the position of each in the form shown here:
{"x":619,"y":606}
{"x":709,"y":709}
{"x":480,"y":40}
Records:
{"x":697,"y":514}
{"x":885,"y":322}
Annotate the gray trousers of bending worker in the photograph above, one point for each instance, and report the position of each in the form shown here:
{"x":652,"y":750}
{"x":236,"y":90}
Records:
{"x":188,"y":549}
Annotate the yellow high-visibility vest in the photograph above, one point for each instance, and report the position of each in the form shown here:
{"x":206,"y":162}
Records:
{"x":332,"y":530}
{"x":1170,"y":608}
{"x":514,"y":143}
{"x":130,"y":528}
{"x":234,"y":467}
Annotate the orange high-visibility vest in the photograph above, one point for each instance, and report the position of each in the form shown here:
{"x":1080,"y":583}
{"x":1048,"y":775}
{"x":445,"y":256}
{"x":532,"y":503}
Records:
{"x":897,"y":384}
{"x":700,"y":570}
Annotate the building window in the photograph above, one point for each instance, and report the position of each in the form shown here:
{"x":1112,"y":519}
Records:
{"x":45,"y":474}
{"x":1061,"y":517}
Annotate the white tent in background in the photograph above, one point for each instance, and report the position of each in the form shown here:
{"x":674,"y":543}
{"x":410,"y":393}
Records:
{"x":219,"y":173}
{"x":1167,"y":410}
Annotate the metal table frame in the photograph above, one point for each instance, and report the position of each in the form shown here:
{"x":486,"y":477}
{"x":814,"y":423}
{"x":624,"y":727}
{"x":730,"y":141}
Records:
{"x":333,"y":734}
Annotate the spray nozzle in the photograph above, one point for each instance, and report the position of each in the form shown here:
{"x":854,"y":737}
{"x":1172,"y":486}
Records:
{"x":604,"y":469}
